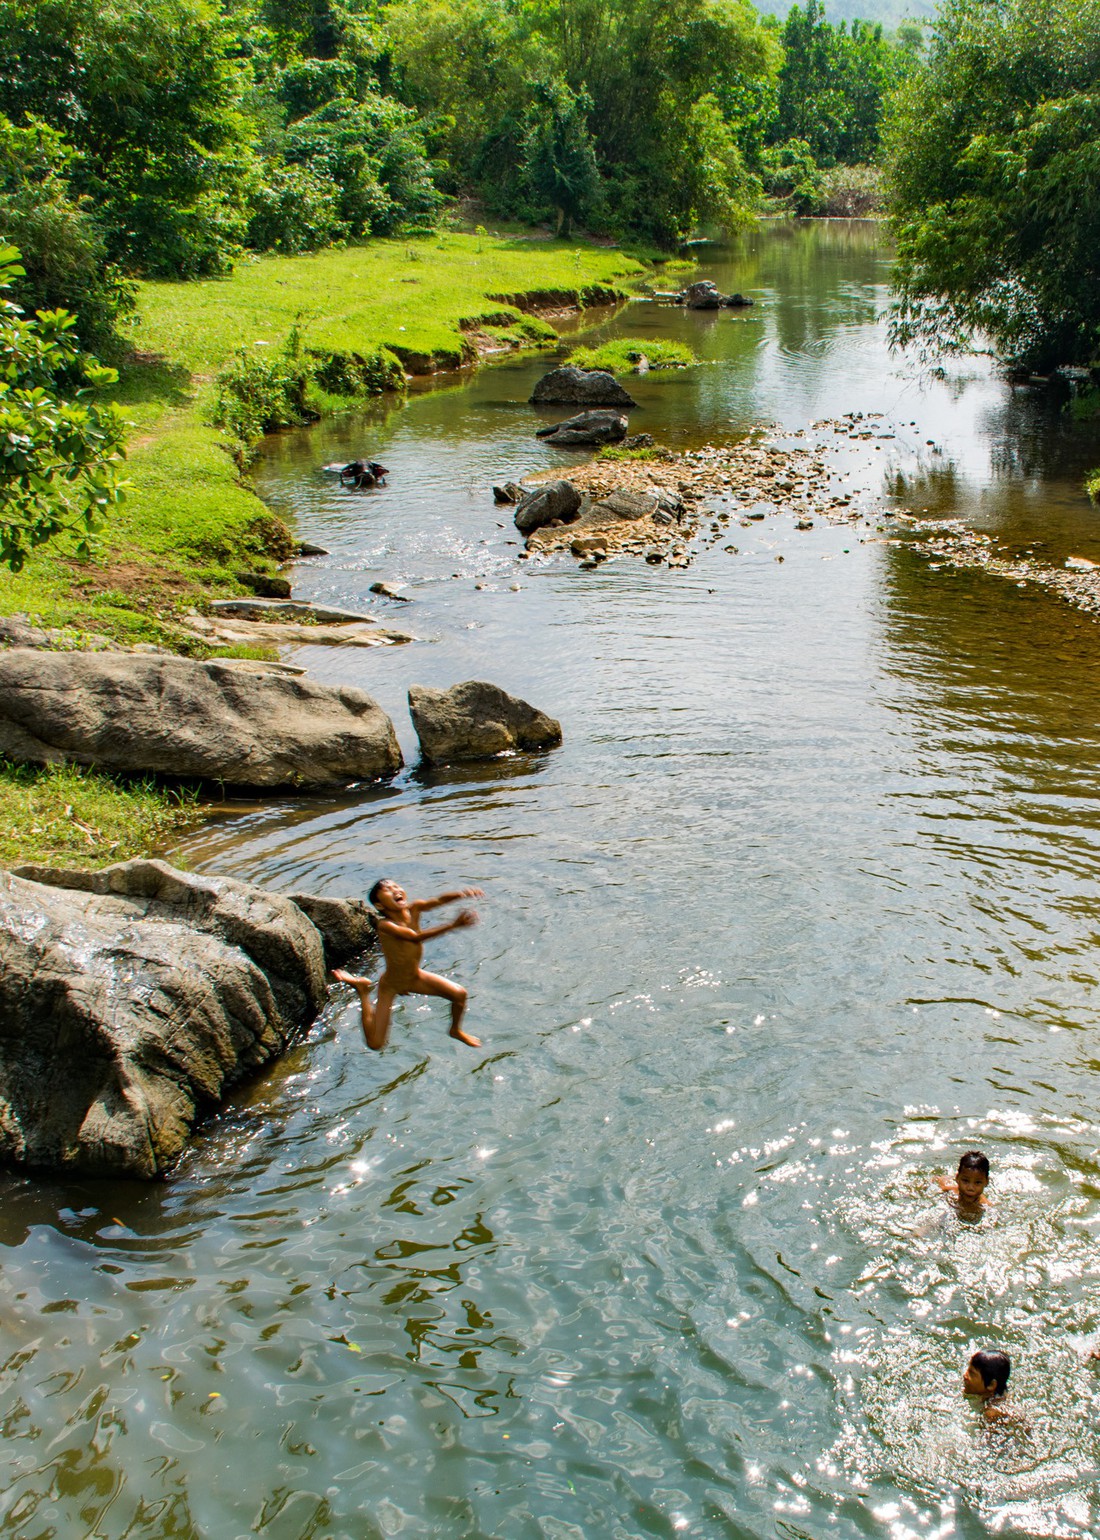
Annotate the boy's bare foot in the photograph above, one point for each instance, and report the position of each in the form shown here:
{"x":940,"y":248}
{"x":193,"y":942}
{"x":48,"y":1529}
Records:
{"x":465,"y":1037}
{"x":357,"y":981}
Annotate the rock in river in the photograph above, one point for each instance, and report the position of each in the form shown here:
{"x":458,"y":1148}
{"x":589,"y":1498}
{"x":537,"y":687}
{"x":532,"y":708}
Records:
{"x":475,"y":720}
{"x":552,"y":500}
{"x":174,"y":716}
{"x":585,"y":428}
{"x":132,"y":999}
{"x":585,"y":387}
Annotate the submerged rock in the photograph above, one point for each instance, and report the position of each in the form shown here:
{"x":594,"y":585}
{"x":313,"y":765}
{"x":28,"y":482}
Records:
{"x":475,"y":720}
{"x":585,"y":428}
{"x":591,"y":387}
{"x":552,"y":500}
{"x":177,"y":717}
{"x":132,"y":999}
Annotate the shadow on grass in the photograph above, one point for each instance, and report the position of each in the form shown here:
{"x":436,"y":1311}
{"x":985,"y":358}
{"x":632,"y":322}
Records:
{"x":145,"y":378}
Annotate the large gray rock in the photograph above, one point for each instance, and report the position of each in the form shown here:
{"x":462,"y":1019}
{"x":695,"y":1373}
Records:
{"x":174,"y":716}
{"x":585,"y":428}
{"x":475,"y":720}
{"x":585,"y":387}
{"x":552,"y":500}
{"x":132,"y":999}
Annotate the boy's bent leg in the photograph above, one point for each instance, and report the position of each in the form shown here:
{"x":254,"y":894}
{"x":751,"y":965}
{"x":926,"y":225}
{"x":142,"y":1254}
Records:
{"x":436,"y":984}
{"x":376,"y":1021}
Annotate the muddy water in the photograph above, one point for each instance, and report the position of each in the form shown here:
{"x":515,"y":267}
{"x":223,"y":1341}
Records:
{"x":804,"y":906}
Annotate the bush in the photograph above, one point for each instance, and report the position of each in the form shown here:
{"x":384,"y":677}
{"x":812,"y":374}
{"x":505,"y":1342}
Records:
{"x":357,"y":374}
{"x":852,"y":192}
{"x":257,"y":392}
{"x":58,"y":472}
{"x":62,"y":251}
{"x":790,"y":173}
{"x":294,"y":210}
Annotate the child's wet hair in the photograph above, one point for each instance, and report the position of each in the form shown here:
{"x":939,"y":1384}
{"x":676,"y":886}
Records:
{"x":372,"y":898}
{"x":994,"y":1369}
{"x":974,"y":1160}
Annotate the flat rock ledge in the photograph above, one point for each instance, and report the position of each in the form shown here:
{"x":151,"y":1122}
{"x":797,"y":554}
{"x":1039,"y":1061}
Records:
{"x":475,"y":720}
{"x":132,"y":999}
{"x":172,"y":716}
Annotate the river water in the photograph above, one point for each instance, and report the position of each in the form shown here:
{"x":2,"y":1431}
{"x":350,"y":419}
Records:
{"x":804,"y":907}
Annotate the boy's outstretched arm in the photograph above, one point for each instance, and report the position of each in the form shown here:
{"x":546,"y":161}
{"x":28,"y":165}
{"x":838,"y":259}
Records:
{"x":462,"y":919}
{"x":421,"y":905}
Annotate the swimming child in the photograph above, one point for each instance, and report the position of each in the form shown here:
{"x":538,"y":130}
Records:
{"x":968,"y":1188}
{"x":402,"y":941}
{"x":986,"y":1376}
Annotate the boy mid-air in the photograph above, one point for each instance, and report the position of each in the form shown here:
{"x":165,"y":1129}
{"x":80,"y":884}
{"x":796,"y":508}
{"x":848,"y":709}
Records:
{"x":402,"y":943}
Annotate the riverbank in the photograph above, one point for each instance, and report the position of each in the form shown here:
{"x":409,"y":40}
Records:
{"x":192,"y":529}
{"x":191,"y":525}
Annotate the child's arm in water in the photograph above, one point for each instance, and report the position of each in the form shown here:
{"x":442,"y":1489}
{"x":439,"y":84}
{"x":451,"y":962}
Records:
{"x":947,"y":1184}
{"x":421,"y":905}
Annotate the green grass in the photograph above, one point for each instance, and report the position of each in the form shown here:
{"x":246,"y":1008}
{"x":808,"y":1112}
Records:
{"x":70,"y":817}
{"x":191,"y":521}
{"x":621,"y":355}
{"x":652,"y":452}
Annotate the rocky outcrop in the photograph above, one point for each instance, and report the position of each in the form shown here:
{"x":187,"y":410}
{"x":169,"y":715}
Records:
{"x":585,"y":428}
{"x":475,"y":720}
{"x":553,"y":500}
{"x":707,"y":296}
{"x":584,"y":387}
{"x":703,"y":296}
{"x":132,"y":999}
{"x":177,"y":717}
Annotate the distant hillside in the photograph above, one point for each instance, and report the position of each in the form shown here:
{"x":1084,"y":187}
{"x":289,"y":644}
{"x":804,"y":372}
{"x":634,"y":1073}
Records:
{"x":889,"y":12}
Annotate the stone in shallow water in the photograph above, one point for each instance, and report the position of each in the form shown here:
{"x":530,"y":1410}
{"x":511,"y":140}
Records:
{"x":476,"y":720}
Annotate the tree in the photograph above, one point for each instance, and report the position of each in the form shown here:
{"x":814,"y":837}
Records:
{"x":59,"y":450}
{"x":994,"y":162}
{"x":146,"y":94}
{"x":559,"y":161}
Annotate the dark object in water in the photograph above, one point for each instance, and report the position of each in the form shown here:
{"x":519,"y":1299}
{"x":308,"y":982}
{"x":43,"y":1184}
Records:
{"x":358,"y":473}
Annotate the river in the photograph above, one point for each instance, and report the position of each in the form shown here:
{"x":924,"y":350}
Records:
{"x":804,"y":907}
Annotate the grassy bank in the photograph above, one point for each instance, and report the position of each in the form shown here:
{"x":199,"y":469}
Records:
{"x":191,"y":523}
{"x":69,"y":817}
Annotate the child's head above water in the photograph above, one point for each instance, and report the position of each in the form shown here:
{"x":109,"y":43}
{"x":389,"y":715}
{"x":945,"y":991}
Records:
{"x":972,"y":1178}
{"x":987,"y":1375}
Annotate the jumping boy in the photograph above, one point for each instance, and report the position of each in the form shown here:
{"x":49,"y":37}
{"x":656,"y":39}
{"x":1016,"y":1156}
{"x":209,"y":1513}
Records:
{"x":968,"y":1189}
{"x":986,"y":1376}
{"x":402,"y":942}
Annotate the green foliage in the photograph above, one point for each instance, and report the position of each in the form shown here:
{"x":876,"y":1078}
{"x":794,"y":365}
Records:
{"x":1092,"y":486}
{"x":852,"y":192}
{"x":834,"y":84}
{"x":667,"y":90}
{"x":258,"y":392}
{"x":146,"y":96}
{"x":294,"y":209}
{"x":558,"y":158}
{"x":994,"y":162}
{"x":790,"y":173}
{"x":62,"y":251}
{"x":621,"y":355}
{"x":60,"y":449}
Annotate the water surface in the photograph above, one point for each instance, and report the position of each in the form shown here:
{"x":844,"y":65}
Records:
{"x":804,"y":906}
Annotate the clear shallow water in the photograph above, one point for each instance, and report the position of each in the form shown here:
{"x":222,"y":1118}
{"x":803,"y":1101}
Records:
{"x":804,"y":905}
